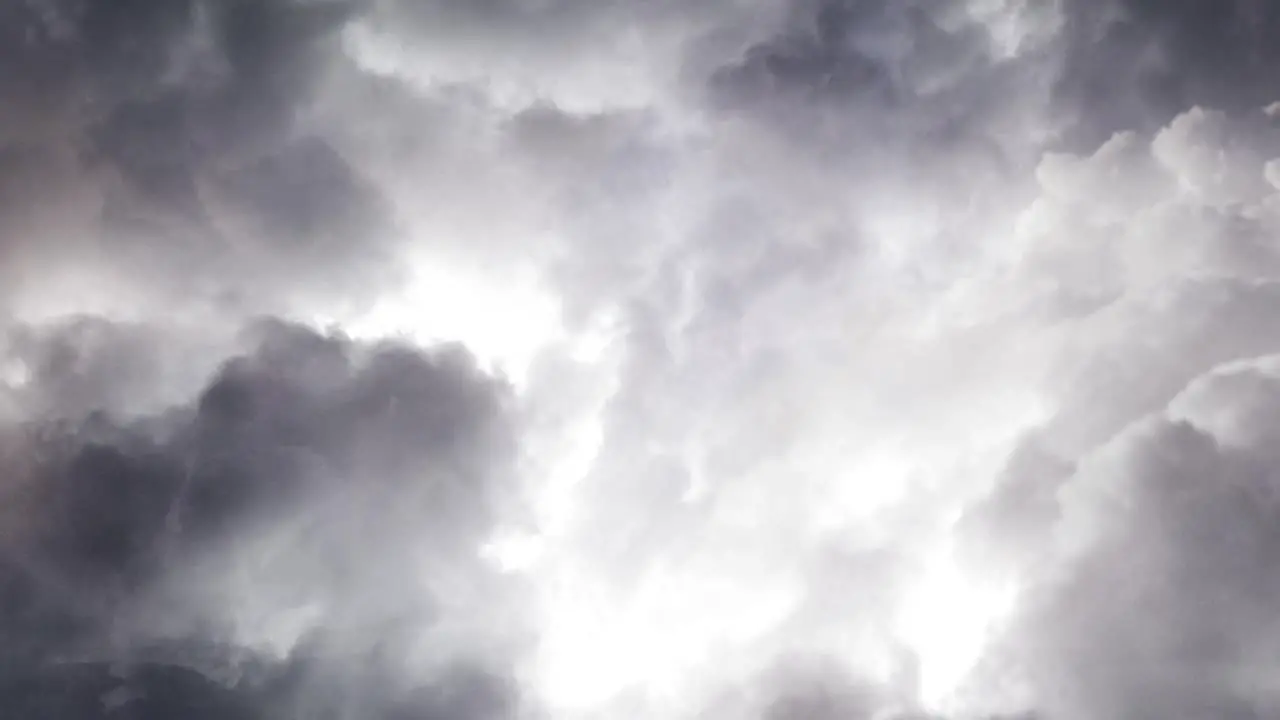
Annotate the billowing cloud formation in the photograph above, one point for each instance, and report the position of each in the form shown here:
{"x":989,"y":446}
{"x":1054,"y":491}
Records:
{"x":1150,"y":485}
{"x":166,"y":145}
{"x":1132,"y":64}
{"x":862,"y":359}
{"x":315,"y":489}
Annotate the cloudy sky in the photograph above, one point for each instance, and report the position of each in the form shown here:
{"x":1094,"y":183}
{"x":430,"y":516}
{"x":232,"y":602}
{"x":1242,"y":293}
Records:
{"x":626,"y":359}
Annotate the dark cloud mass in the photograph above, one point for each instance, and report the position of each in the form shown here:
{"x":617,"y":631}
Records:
{"x":881,"y":57}
{"x":1133,"y":64}
{"x":173,"y":495}
{"x":151,"y":129}
{"x":859,"y":359}
{"x":93,"y":691}
{"x":340,"y":456}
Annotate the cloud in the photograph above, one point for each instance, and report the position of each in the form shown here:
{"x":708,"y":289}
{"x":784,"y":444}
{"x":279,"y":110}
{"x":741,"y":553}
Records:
{"x":319,"y":499}
{"x":852,"y":345}
{"x":91,"y":692}
{"x":1159,"y":603}
{"x":1132,"y":64}
{"x":1136,"y":516}
{"x":149,"y":142}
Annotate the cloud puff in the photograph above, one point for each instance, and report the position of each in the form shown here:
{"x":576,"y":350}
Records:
{"x":165,"y":145}
{"x":315,"y":489}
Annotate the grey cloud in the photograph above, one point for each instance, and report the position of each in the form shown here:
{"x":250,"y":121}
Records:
{"x":538,"y":41}
{"x":818,"y":687}
{"x":505,"y":18}
{"x":1179,"y":253}
{"x":142,"y":134}
{"x":941,"y":75}
{"x":1134,"y":64}
{"x":853,"y":53}
{"x":79,"y":365}
{"x":803,"y":686}
{"x":1156,"y":267}
{"x":78,"y":691}
{"x":1138,"y":515}
{"x":912,"y":91}
{"x":154,"y":691}
{"x":821,"y":694}
{"x":1139,"y":268}
{"x":784,"y":211}
{"x":311,"y":471}
{"x":1162,"y":606}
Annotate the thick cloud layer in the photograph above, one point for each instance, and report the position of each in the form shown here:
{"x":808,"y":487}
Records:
{"x":827,"y":358}
{"x":1132,"y":64}
{"x":165,"y":145}
{"x":1150,"y":485}
{"x":315,"y":490}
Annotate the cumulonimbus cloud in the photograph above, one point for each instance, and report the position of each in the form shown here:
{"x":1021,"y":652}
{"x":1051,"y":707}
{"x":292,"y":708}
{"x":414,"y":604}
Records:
{"x":862,"y":359}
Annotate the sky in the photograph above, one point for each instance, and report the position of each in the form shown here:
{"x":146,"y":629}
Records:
{"x":583,"y":359}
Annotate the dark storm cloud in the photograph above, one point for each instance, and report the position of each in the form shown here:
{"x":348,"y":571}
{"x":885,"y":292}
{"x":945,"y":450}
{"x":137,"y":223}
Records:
{"x":1134,"y":64}
{"x":85,"y":691}
{"x":140,"y":135}
{"x":840,"y":52}
{"x":809,"y":690}
{"x":764,"y":269}
{"x":888,"y":84}
{"x":934,"y":74}
{"x":819,"y":688}
{"x":73,"y":367}
{"x":330,"y":472}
